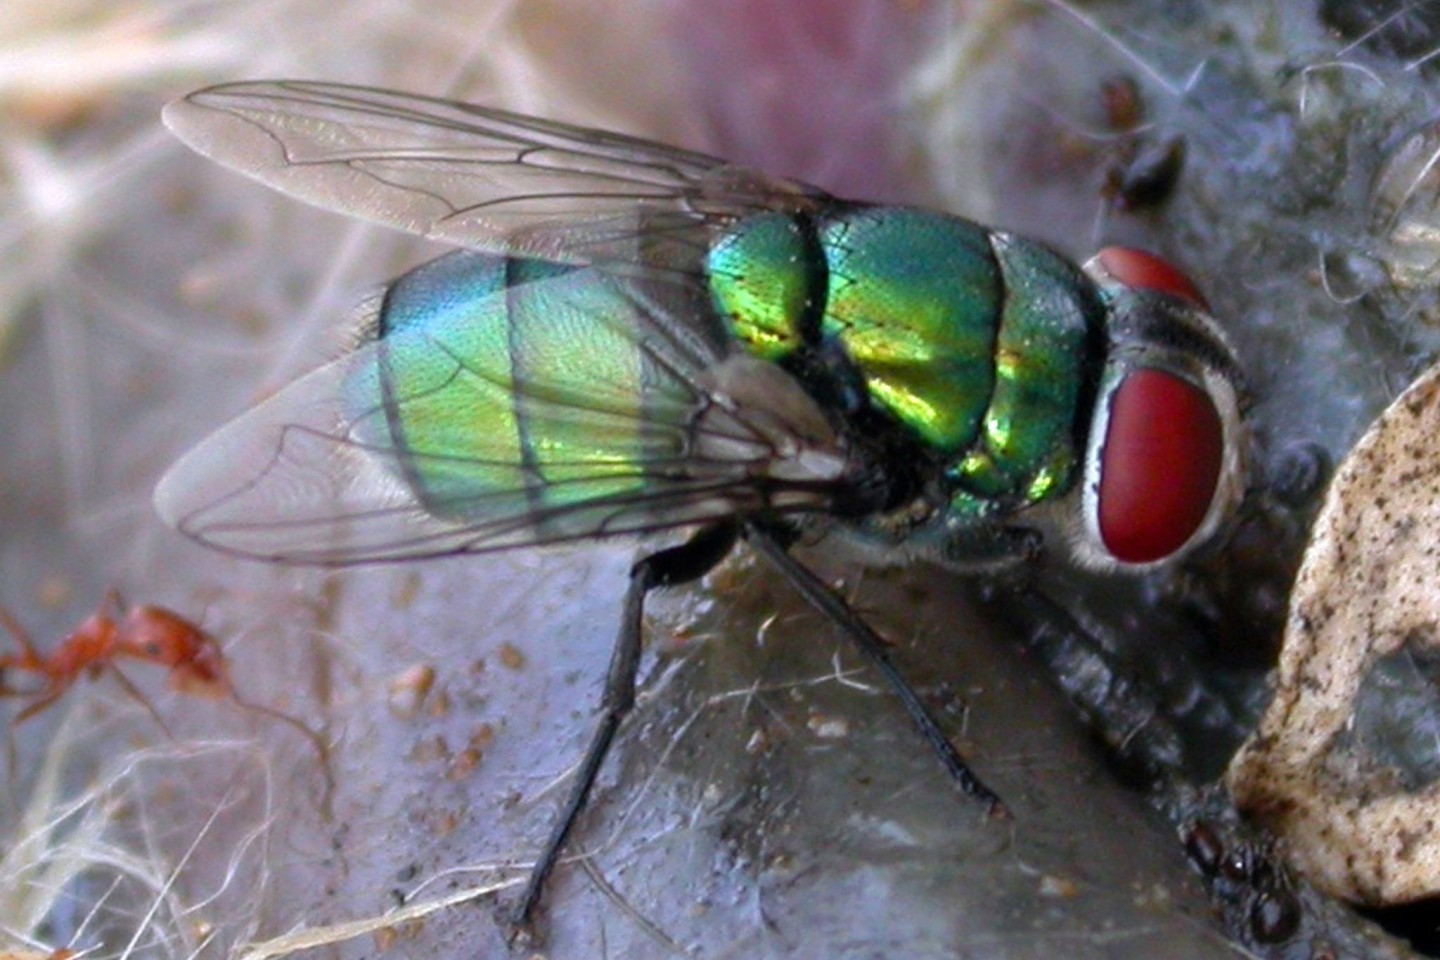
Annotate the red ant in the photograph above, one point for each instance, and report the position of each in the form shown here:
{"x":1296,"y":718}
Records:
{"x":145,"y":633}
{"x":59,"y":953}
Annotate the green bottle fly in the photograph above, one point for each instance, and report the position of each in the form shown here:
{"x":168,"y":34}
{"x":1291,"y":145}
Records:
{"x":636,"y":339}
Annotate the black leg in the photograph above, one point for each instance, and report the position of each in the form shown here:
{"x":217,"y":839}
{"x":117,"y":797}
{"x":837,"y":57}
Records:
{"x":688,"y":561}
{"x":868,"y":642}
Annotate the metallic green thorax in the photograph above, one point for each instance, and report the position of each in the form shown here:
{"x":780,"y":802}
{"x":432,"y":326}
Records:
{"x":976,"y":344}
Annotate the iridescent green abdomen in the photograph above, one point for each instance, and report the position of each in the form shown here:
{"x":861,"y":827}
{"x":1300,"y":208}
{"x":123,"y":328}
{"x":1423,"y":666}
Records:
{"x":981,"y":347}
{"x":487,"y":384}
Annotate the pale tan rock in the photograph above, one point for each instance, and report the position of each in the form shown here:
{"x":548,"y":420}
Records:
{"x":1355,"y":823}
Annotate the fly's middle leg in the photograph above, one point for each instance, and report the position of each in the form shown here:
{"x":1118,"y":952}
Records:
{"x":773,"y":544}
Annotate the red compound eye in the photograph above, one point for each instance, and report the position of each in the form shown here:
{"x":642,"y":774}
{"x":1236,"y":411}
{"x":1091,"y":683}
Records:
{"x":1164,"y":447}
{"x":1145,"y":271}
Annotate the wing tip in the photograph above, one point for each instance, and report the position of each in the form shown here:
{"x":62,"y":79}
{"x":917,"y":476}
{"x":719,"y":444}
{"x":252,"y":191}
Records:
{"x":178,"y":114}
{"x":192,"y":118}
{"x":204,"y":117}
{"x":174,"y":498}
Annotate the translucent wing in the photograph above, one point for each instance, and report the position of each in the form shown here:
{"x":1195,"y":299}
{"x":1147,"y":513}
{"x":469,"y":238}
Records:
{"x":473,"y":176}
{"x":571,"y":405}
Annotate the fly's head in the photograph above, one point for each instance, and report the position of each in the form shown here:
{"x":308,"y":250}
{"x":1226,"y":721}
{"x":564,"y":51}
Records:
{"x":1165,"y":457}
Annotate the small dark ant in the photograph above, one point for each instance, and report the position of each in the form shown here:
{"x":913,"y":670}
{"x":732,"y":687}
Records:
{"x":1144,"y":171}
